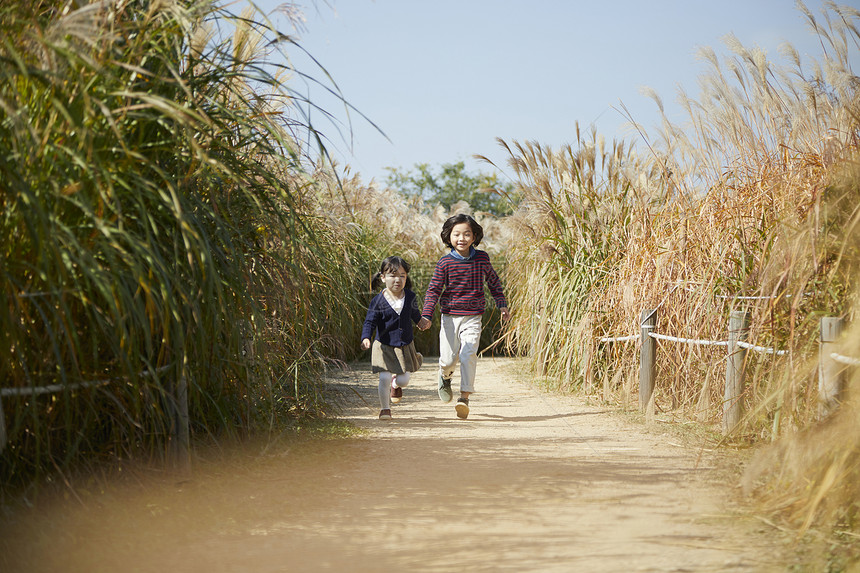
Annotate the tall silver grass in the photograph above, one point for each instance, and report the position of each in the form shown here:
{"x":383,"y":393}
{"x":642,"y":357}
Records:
{"x":739,"y":201}
{"x":155,"y":214}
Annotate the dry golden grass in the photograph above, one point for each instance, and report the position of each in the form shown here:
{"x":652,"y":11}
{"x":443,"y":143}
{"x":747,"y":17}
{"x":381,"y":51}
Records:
{"x":756,"y":196}
{"x":810,"y":479}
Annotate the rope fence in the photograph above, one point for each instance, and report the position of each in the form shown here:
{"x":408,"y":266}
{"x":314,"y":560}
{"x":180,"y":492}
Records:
{"x":735,"y":297}
{"x":55,"y":388}
{"x":847,"y":360}
{"x":762,"y":349}
{"x":552,"y":322}
{"x":180,"y":435}
{"x":831,"y":363}
{"x":688,"y":340}
{"x":765,"y":297}
{"x":622,"y":338}
{"x":52,"y":389}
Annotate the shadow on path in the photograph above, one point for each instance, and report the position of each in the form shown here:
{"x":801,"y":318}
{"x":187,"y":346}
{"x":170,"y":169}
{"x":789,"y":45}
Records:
{"x":527,"y":483}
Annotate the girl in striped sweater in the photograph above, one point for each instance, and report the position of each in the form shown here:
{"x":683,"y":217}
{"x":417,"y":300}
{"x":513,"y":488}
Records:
{"x":458,"y":286}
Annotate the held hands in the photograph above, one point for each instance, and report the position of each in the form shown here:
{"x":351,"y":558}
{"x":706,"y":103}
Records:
{"x":423,"y":324}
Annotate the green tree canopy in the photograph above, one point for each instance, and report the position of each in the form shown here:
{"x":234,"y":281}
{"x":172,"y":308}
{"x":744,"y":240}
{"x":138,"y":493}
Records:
{"x":452,"y":183}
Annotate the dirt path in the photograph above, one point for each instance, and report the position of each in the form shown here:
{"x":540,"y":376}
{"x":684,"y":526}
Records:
{"x":530,"y":482}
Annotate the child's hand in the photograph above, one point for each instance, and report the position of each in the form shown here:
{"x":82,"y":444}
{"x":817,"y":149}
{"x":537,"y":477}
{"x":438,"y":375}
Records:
{"x":505,"y":314}
{"x":424,"y":324}
{"x":365,"y":344}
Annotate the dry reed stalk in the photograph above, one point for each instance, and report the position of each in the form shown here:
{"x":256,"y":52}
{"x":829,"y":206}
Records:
{"x":758,"y":198}
{"x":811,"y":478}
{"x":711,"y":212}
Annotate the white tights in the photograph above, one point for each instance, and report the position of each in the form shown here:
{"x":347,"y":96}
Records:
{"x":386,"y":381}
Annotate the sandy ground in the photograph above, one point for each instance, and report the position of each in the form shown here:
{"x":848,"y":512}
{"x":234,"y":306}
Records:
{"x":530,"y":482}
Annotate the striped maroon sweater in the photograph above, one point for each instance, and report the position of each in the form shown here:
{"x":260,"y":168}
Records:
{"x":458,"y":285}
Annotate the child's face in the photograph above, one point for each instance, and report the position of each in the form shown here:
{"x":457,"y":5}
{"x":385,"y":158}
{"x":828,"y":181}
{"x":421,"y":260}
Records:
{"x":462,"y":238}
{"x":395,"y":280}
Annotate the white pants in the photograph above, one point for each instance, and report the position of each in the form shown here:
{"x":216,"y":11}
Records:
{"x":458,"y":341}
{"x":385,"y":382}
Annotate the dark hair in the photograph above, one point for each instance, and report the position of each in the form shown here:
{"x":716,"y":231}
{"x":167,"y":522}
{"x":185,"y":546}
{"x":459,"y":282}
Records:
{"x":477,"y":229}
{"x":391,"y":263}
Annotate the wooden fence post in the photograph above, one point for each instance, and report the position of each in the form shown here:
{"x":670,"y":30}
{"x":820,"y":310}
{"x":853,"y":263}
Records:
{"x":830,"y":372}
{"x":180,"y":435}
{"x":733,"y":396}
{"x":647,"y":358}
{"x":3,"y":437}
{"x":587,"y":354}
{"x":538,"y":335}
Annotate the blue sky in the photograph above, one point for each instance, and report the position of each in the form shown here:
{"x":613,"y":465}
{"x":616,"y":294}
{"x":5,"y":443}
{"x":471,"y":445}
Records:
{"x":444,"y":78}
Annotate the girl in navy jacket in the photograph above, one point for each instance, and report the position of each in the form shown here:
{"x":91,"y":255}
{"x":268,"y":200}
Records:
{"x":391,"y":314}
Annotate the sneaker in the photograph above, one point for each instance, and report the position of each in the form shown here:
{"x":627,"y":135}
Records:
{"x":396,"y":394}
{"x":445,"y":393}
{"x":462,"y":408}
{"x":385,"y":414}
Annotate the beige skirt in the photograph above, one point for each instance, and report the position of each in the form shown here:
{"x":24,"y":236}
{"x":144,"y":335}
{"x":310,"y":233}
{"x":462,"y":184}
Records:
{"x":384,"y":358}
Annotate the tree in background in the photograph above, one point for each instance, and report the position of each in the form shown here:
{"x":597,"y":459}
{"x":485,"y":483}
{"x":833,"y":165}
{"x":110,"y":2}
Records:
{"x":451,"y":183}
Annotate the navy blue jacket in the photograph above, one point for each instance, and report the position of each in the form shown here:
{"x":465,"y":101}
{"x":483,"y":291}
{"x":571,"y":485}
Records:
{"x":391,"y":328}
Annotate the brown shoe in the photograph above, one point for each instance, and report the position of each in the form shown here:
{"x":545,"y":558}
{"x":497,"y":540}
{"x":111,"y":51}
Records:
{"x":396,"y":394}
{"x":462,"y":408}
{"x":385,"y":414}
